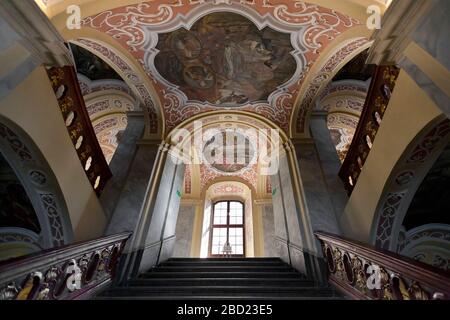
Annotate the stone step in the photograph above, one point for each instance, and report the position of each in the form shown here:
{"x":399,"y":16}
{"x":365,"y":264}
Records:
{"x":203,"y":268}
{"x":224,"y":259}
{"x":220,"y":263}
{"x":228,"y":281}
{"x":220,"y":298}
{"x":226,"y":291}
{"x":224,"y":274}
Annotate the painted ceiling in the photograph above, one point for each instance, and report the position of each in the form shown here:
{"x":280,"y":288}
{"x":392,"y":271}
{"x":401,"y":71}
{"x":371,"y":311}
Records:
{"x":254,"y":72}
{"x":225,"y":60}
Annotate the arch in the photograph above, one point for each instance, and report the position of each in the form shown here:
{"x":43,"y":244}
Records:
{"x":339,"y":106}
{"x":404,"y":180}
{"x":239,"y":120}
{"x":428,"y":243}
{"x":39,"y":182}
{"x":319,"y":78}
{"x":131,"y":74}
{"x":310,"y":40}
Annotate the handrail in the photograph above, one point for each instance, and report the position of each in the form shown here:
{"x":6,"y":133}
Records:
{"x":74,"y":271}
{"x":361,"y":271}
{"x":71,"y":102}
{"x":380,"y":90}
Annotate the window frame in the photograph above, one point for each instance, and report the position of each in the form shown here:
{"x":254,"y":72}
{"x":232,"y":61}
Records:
{"x":227,"y":226}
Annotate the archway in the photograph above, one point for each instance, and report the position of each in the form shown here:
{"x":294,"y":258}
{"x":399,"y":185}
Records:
{"x":405,"y":179}
{"x":40,"y":186}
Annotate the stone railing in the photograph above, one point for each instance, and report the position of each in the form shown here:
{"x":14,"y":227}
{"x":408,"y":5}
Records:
{"x":377,"y":99}
{"x":68,"y":93}
{"x":360,"y":271}
{"x":72,"y":272}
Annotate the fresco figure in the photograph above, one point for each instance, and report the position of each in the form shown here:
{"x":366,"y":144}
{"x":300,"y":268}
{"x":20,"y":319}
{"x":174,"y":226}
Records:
{"x":225,"y":60}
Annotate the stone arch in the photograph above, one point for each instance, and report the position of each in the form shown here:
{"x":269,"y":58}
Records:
{"x":404,"y":180}
{"x":317,"y":81}
{"x":132,"y":76}
{"x":428,"y":243}
{"x":40,"y":184}
{"x":222,"y":121}
{"x":340,"y":106}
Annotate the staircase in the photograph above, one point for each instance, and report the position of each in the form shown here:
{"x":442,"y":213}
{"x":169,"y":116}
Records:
{"x":220,"y":278}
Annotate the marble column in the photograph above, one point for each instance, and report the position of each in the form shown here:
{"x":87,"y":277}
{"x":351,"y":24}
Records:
{"x":318,"y":206}
{"x":290,"y":227}
{"x":161,"y":213}
{"x":268,"y":224}
{"x":122,"y":161}
{"x":328,"y":161}
{"x":184,"y":230}
{"x":128,"y":210}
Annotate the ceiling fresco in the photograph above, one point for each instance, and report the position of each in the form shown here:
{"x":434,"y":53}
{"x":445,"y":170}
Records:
{"x":225,"y":60}
{"x":233,"y":59}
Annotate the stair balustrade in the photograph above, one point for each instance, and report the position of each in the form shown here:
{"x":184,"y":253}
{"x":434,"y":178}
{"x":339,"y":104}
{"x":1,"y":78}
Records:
{"x":71,"y":102}
{"x":360,"y":271}
{"x":76,"y":271}
{"x":377,"y":100}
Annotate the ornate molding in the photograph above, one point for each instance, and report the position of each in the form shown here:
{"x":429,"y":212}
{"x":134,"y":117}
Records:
{"x":398,"y":278}
{"x":136,"y":28}
{"x":322,"y":79}
{"x":39,"y":183}
{"x":131,"y":77}
{"x":404,"y":181}
{"x":46,"y":276}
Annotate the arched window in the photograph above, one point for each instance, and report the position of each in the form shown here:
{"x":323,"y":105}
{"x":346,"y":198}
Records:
{"x":227,"y":226}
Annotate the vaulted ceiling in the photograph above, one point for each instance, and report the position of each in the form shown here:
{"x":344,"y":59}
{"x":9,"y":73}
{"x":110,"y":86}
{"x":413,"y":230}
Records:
{"x":185,"y":57}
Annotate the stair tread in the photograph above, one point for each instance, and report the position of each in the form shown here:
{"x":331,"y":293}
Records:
{"x":215,"y":298}
{"x":221,"y":278}
{"x":223,"y":274}
{"x":272,"y":289}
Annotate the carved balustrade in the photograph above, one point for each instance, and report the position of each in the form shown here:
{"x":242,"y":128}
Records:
{"x":68,"y":93}
{"x":71,"y":272}
{"x":360,"y":271}
{"x":380,"y":90}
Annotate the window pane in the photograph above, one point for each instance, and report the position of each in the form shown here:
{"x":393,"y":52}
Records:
{"x":235,"y":210}
{"x":220,"y":213}
{"x":236,"y":206}
{"x":236,"y":240}
{"x":218,"y":240}
{"x":221,"y":206}
{"x":236,"y":213}
{"x":235,"y":220}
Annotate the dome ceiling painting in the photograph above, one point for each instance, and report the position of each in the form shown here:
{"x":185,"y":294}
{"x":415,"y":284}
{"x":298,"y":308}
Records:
{"x":225,"y":60}
{"x":250,"y":55}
